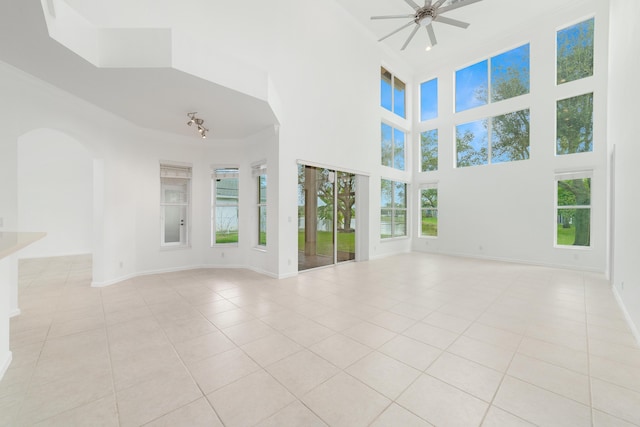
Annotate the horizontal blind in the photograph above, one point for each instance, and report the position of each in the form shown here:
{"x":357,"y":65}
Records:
{"x":172,"y":171}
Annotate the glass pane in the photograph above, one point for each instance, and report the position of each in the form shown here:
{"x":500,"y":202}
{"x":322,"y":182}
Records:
{"x":385,"y":89}
{"x":471,"y":86}
{"x":174,"y":223}
{"x":575,"y":52}
{"x":429,"y":150}
{"x":574,"y":125}
{"x":574,"y":192}
{"x":471,"y":143}
{"x":262,"y":189}
{"x":400,"y":195}
{"x":399,"y":222}
{"x":398,"y":149}
{"x":399,"y":97}
{"x":429,"y":198}
{"x":510,"y":74}
{"x":324,"y":215}
{"x":226,"y":224}
{"x":226,"y":191}
{"x":346,"y":238}
{"x":386,"y":145}
{"x":574,"y":227}
{"x":302,"y":195}
{"x":510,"y":137}
{"x":429,"y":222}
{"x":385,"y":223}
{"x":386,"y":193}
{"x":175,"y":190}
{"x":429,"y":100}
{"x":262,"y":225}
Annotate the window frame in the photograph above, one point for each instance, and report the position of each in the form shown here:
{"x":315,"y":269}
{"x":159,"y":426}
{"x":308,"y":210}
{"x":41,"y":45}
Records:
{"x":426,"y":187}
{"x":490,"y":140}
{"x":569,"y":176}
{"x":405,"y":134}
{"x":217,"y":173}
{"x":392,"y":84}
{"x":393,"y":209}
{"x":259,"y":172}
{"x":176,"y":171}
{"x":593,"y":54}
{"x":489,"y":81}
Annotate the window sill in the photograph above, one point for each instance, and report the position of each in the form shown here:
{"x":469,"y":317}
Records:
{"x":224,"y":245}
{"x":174,"y":248}
{"x":571,"y":247}
{"x":392,"y":239}
{"x":428,"y":237}
{"x":260,"y":248}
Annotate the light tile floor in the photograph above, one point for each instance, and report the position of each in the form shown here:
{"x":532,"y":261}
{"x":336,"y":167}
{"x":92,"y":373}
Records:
{"x":410,"y":340}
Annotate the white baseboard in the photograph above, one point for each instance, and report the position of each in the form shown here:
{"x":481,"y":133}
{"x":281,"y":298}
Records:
{"x":4,"y":365}
{"x":627,"y":316}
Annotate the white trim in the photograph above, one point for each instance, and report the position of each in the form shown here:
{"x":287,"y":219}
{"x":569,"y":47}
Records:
{"x":5,"y":365}
{"x":634,"y":329}
{"x":15,"y":312}
{"x":334,"y":168}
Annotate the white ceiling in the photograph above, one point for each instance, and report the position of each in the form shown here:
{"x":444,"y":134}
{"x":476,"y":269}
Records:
{"x":159,"y":98}
{"x":489,"y":20}
{"x":155,"y":98}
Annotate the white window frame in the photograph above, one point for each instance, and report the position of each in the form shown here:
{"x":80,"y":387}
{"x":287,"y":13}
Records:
{"x":567,"y":176}
{"x":170,"y":172}
{"x":430,"y":186}
{"x":393,"y":94}
{"x":223,"y":172}
{"x":259,"y":171}
{"x":393,"y":146}
{"x":394,"y":209}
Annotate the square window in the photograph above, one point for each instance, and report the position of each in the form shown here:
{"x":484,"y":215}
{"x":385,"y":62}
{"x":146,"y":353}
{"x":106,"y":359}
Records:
{"x":574,"y":53}
{"x":574,"y":125}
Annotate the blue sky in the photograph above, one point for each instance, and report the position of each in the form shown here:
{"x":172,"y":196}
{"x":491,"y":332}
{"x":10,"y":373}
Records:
{"x":468,"y":81}
{"x":429,"y":100}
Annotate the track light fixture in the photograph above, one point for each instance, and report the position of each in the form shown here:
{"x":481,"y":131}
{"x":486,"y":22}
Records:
{"x":193,"y":120}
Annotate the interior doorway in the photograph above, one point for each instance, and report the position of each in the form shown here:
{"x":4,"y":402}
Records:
{"x":326,"y":217}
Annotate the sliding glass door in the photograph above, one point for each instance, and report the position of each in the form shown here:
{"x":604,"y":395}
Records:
{"x":326,"y":217}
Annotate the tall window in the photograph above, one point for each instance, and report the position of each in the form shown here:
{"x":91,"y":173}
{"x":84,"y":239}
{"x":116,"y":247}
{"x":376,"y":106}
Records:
{"x":393,"y":209}
{"x":224,"y":209}
{"x":262,"y":208}
{"x":429,"y":100}
{"x":429,"y":211}
{"x":575,"y":52}
{"x":503,"y":138}
{"x":392,"y":93}
{"x":175,"y":195}
{"x":392,"y":147}
{"x":508,"y":73}
{"x":429,"y":150}
{"x":573,"y":209}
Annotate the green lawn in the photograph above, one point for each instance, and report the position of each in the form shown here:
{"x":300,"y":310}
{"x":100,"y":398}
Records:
{"x":430,"y":226}
{"x":346,"y":242}
{"x":566,"y":236}
{"x":227,"y":237}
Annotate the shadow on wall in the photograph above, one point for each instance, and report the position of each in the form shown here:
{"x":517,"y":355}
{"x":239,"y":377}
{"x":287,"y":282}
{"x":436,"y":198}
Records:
{"x":55,"y":193}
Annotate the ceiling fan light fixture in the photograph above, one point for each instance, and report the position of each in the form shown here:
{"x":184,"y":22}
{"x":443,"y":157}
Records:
{"x":428,"y":19}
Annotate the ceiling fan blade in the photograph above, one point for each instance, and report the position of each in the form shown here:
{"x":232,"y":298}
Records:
{"x":413,"y":33}
{"x":432,"y":35}
{"x":412,"y":4}
{"x":457,"y":5}
{"x":399,"y":29}
{"x":438,"y":4}
{"x":427,"y":3}
{"x":450,"y":21}
{"x":391,"y":16}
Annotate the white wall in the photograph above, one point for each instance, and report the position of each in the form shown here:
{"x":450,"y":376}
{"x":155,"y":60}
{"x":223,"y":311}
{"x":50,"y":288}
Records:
{"x":55,"y":193}
{"x":506,"y":211}
{"x":624,"y":93}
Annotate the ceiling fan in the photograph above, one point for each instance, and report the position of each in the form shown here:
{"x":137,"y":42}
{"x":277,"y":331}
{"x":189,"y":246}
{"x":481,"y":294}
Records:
{"x":424,"y":17}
